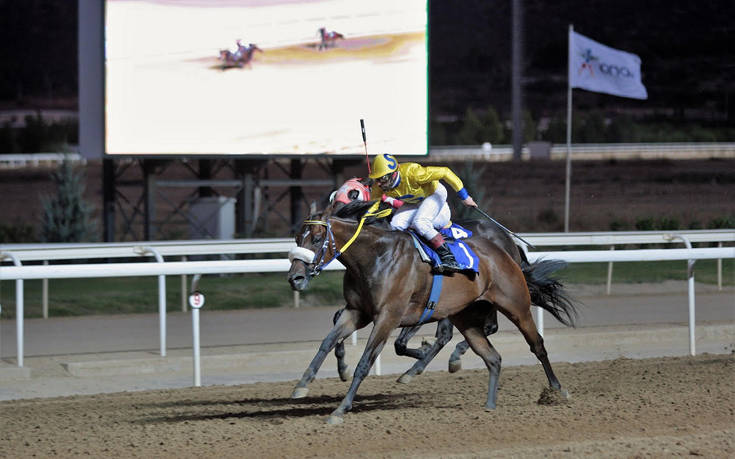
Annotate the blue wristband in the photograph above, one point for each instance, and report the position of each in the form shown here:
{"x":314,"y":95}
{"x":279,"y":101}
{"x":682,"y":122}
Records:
{"x":463,"y":194}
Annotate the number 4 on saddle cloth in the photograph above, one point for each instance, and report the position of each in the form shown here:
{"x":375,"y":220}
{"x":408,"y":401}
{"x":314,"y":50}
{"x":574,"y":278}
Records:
{"x":453,"y":236}
{"x":464,"y":255}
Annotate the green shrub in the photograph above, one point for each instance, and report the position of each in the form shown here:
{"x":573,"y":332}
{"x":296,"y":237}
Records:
{"x":645,"y":224}
{"x":67,"y":217}
{"x":618,"y":225}
{"x":18,"y":233}
{"x":722,"y":222}
{"x":666,"y":223}
{"x":549,"y":220}
{"x":471,"y":177}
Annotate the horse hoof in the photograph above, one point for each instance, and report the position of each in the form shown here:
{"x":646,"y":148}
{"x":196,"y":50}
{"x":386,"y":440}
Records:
{"x":565,"y":394}
{"x":300,"y":392}
{"x":455,"y":366}
{"x":405,"y":378}
{"x":335,"y":420}
{"x":345,"y":374}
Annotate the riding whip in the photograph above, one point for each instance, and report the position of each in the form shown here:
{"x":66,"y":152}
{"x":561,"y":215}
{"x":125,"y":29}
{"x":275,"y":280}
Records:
{"x":504,"y":228}
{"x":364,"y":142}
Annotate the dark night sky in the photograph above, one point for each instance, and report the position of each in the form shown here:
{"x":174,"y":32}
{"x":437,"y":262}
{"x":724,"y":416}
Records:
{"x":686,"y":49}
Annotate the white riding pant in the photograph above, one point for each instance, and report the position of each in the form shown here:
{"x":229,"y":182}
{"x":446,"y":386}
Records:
{"x":431,"y":214}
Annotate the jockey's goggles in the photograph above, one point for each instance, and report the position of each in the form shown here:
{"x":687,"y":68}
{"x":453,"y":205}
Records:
{"x":386,"y":180}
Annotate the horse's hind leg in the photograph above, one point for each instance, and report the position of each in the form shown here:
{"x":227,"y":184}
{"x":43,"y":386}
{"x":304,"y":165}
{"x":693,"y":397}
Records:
{"x":524,"y":322}
{"x":427,"y":353}
{"x":479,"y":343}
{"x":347,"y":322}
{"x":455,"y":360}
{"x":491,"y":326}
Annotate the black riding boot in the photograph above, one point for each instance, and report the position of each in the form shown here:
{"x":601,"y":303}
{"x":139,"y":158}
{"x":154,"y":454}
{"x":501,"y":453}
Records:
{"x":448,"y":262}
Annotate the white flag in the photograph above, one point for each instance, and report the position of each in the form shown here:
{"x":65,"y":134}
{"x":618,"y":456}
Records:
{"x":599,"y":68}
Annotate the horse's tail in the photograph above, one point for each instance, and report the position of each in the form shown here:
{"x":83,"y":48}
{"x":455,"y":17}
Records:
{"x":548,"y":293}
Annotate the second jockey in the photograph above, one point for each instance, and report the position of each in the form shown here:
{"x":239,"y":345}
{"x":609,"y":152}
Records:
{"x":425,"y":199}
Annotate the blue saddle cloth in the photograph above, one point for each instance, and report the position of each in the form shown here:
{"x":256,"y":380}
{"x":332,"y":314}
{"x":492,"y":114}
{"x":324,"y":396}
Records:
{"x":453,"y":237}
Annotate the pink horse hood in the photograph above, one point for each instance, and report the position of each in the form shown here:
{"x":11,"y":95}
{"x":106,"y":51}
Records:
{"x":343,"y":193}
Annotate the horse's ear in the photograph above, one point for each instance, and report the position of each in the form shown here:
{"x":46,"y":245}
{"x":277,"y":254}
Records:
{"x":312,"y":207}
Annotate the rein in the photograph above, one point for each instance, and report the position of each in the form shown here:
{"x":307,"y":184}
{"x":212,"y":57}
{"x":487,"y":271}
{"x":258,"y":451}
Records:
{"x":318,"y":260}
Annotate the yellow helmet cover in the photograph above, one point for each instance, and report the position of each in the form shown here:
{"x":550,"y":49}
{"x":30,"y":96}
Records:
{"x":382,"y":165}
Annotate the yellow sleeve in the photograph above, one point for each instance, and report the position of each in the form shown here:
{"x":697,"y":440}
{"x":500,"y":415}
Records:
{"x":429,"y":174}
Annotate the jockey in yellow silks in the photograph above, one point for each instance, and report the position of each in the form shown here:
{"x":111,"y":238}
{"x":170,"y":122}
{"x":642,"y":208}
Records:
{"x":425,"y":200}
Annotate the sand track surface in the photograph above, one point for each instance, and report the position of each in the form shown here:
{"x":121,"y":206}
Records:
{"x":621,"y":408}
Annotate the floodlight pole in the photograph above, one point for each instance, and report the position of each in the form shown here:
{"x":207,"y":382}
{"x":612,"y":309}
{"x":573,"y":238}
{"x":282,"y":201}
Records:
{"x":108,"y":198}
{"x":516,"y":76}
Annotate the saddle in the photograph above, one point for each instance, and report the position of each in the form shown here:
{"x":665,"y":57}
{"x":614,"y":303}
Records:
{"x":453,"y":236}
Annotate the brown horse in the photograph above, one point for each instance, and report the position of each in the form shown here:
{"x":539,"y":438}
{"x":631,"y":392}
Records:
{"x":387,"y":284}
{"x":329,"y":39}
{"x":242,"y":57}
{"x":357,"y":189}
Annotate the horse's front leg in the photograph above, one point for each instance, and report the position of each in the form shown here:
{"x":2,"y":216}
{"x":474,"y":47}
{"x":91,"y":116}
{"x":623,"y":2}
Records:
{"x":443,"y":336}
{"x":347,"y":322}
{"x":401,"y":343}
{"x":339,"y":352}
{"x":381,"y":330}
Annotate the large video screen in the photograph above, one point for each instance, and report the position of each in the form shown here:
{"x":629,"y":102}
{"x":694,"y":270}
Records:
{"x":252,"y":77}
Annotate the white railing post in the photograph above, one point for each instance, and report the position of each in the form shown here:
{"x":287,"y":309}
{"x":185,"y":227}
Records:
{"x":44,"y":294}
{"x":719,"y":269}
{"x":18,"y":308}
{"x":609,"y":273}
{"x":690,"y":280}
{"x":161,"y":297}
{"x":183,"y":288}
{"x":540,"y":320}
{"x":196,"y":301}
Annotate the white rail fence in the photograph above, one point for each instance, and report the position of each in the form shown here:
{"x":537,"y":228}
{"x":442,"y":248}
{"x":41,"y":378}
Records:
{"x":485,"y":152}
{"x":17,"y":161}
{"x":19,"y":253}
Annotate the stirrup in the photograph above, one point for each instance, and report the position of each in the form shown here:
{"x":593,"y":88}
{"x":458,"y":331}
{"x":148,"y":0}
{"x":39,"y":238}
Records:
{"x":449,"y":266}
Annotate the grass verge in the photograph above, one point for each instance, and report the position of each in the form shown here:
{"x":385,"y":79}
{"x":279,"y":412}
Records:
{"x":76,"y":297}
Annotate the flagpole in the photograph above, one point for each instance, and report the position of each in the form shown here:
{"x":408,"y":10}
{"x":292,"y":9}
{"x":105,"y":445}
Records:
{"x":569,"y":133}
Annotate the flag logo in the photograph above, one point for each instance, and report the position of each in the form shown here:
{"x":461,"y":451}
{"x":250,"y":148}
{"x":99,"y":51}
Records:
{"x":587,"y":58}
{"x":599,"y":68}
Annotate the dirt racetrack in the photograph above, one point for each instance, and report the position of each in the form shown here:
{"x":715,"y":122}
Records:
{"x":621,"y":408}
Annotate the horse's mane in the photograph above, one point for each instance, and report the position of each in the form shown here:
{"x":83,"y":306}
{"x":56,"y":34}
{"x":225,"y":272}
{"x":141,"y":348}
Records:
{"x":356,"y":209}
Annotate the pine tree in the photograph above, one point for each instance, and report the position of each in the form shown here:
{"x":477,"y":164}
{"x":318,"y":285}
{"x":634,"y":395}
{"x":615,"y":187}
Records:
{"x":67,"y":217}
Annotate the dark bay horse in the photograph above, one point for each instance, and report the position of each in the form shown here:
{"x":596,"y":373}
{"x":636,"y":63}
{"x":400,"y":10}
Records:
{"x":243,"y":56}
{"x":357,"y":189}
{"x":328,"y":39}
{"x":387,"y":284}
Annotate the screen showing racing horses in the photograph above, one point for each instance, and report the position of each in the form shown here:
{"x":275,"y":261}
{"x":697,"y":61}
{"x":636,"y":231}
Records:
{"x":252,"y":77}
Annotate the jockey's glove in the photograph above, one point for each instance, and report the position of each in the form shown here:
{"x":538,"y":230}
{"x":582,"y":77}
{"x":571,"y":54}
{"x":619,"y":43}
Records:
{"x":395,"y":203}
